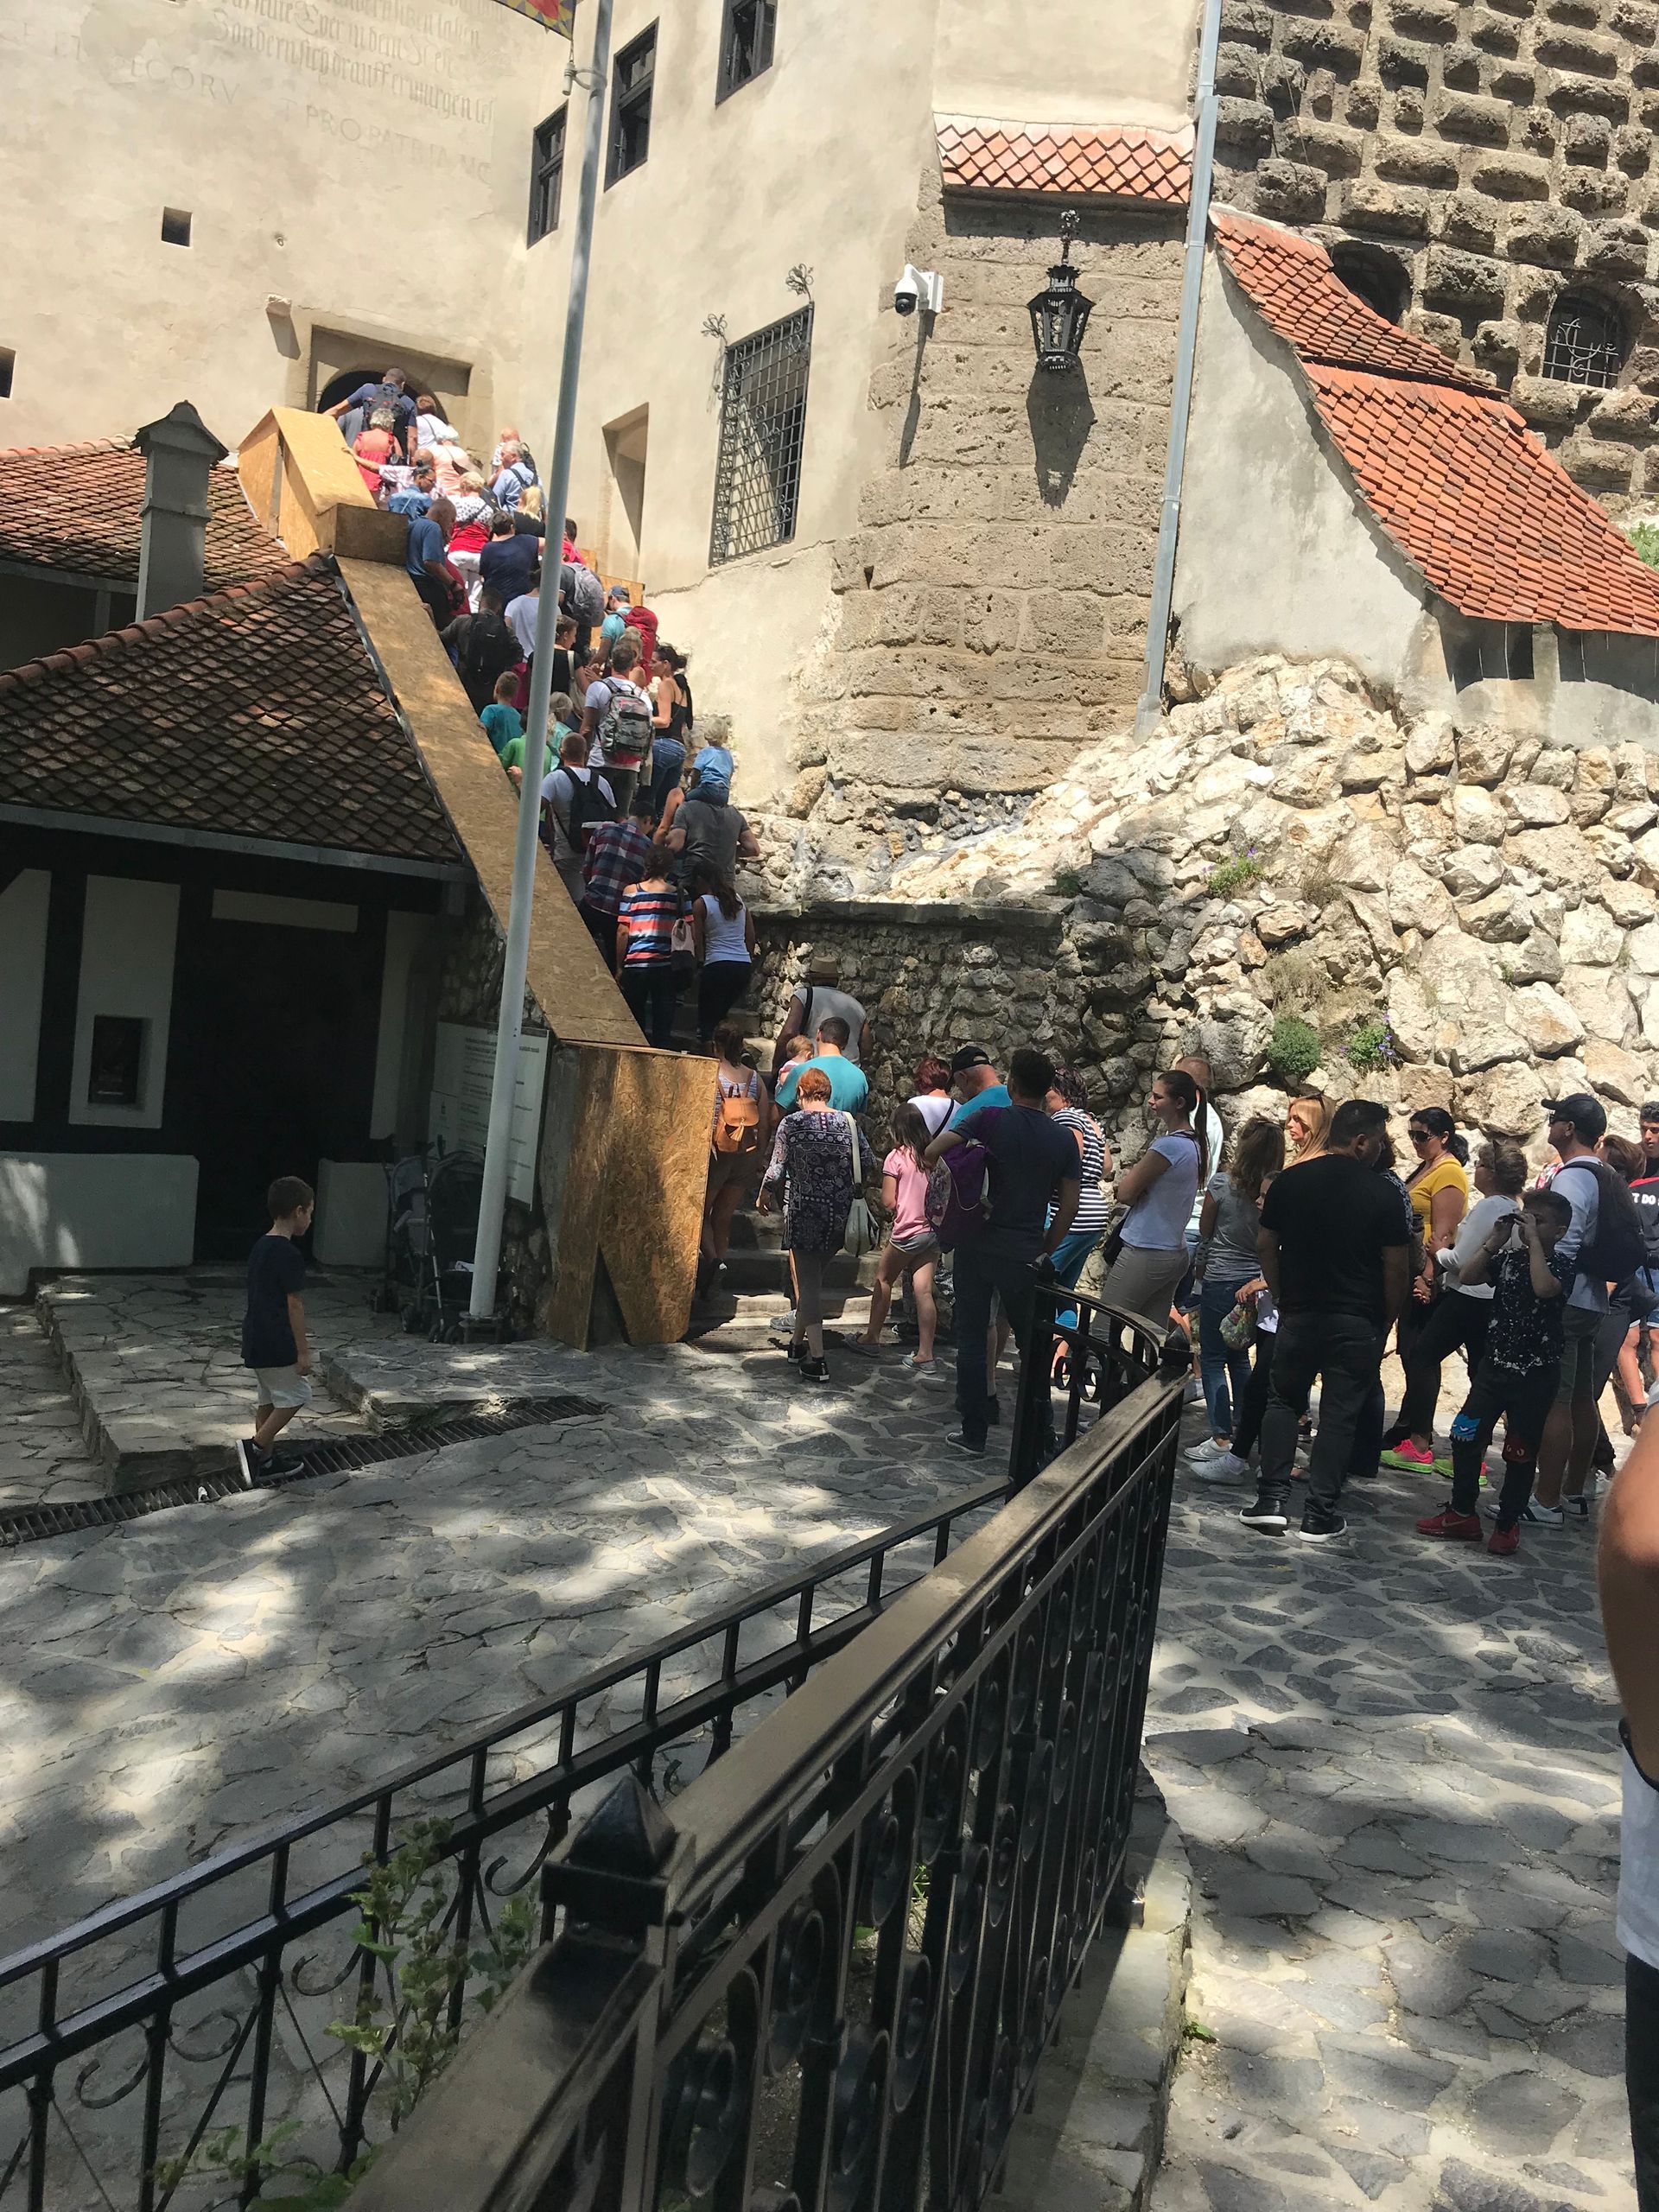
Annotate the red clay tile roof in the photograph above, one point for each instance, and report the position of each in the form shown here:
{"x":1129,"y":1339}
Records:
{"x":1294,"y":288}
{"x":1468,"y":493}
{"x":1493,"y":521}
{"x":1116,"y":161}
{"x":76,"y":508}
{"x":255,"y":713}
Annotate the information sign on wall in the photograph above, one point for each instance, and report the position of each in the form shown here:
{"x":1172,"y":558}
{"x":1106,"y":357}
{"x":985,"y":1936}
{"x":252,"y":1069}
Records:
{"x":463,"y":1069}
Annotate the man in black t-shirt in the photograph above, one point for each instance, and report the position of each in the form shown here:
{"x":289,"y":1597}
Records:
{"x":1034,"y":1163}
{"x":1334,"y":1251}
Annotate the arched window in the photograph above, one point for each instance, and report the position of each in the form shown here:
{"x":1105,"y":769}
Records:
{"x":1376,"y":278}
{"x":343,"y":386}
{"x":1584,"y":341}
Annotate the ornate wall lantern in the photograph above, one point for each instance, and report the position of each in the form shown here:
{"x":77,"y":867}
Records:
{"x":1060,"y":316}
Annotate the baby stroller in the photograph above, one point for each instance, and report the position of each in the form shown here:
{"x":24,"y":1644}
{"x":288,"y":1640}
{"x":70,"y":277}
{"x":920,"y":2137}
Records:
{"x":431,"y":1236}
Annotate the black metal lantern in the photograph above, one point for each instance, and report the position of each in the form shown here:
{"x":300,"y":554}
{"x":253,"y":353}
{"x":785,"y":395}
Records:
{"x":1060,"y":316}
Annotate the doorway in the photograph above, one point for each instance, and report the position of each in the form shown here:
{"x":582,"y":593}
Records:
{"x":343,"y":386}
{"x":622,"y":523}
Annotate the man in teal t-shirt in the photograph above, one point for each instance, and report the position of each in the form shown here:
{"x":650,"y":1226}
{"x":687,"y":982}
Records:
{"x":849,"y":1092}
{"x":974,"y":1079}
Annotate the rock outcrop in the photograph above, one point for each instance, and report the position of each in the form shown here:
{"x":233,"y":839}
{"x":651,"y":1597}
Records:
{"x":1463,"y":918}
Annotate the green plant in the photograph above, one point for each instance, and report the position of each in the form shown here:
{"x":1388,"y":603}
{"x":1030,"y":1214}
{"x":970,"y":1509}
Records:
{"x":1371,"y":1049}
{"x":402,"y":2024}
{"x":1293,"y":1049}
{"x":1069,"y":883}
{"x":1195,"y":2031}
{"x":1645,"y":540}
{"x":1233,"y":874}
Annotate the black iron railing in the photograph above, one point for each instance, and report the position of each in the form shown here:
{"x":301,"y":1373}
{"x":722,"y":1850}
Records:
{"x":130,"y":2039}
{"x":822,"y":1978}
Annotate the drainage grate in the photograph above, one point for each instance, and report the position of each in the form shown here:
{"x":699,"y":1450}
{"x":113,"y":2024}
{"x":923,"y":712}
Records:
{"x":29,"y":1523}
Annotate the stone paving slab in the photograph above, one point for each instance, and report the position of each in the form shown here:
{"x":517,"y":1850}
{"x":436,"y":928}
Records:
{"x":153,"y":1366}
{"x":43,"y":1455}
{"x":1394,"y":1766}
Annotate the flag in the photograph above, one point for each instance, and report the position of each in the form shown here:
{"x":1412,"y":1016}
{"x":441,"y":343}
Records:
{"x":558,"y":15}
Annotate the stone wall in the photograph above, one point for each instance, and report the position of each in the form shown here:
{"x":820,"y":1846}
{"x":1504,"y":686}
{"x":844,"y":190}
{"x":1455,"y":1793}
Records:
{"x":990,"y":611}
{"x":1489,"y":156}
{"x":930,"y":977}
{"x":1462,"y":918}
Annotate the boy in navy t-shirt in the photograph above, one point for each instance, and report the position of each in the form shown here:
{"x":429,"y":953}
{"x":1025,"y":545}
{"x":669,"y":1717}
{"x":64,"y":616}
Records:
{"x":274,"y":1340}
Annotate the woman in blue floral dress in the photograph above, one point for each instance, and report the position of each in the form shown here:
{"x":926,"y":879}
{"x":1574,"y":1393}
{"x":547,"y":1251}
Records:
{"x":811,"y":1172}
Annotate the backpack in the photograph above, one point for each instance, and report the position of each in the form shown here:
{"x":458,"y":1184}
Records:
{"x":737,"y":1120}
{"x":582,"y":595}
{"x":625,"y":733}
{"x":1619,"y":1246}
{"x":959,"y":1195}
{"x":588,"y":807}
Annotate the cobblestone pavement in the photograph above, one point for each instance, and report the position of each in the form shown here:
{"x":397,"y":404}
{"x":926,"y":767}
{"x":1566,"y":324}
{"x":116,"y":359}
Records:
{"x":184,"y":1681}
{"x":1394,"y":1766}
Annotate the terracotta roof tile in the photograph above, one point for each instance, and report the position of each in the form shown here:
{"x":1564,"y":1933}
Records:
{"x":1114,"y":162}
{"x":1294,"y":288}
{"x":255,"y":713}
{"x":1497,"y":525}
{"x":1465,"y":490}
{"x":76,"y":507}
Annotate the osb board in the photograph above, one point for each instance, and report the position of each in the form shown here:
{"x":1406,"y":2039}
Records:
{"x":571,"y":983}
{"x":625,"y":1166}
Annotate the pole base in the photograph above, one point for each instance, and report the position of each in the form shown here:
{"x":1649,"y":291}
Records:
{"x":485,"y":1329}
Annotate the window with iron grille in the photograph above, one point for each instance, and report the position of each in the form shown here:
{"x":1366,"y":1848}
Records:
{"x":636,"y":66}
{"x":1584,"y":342}
{"x":547,"y":175}
{"x":762,"y":432}
{"x":745,"y":40}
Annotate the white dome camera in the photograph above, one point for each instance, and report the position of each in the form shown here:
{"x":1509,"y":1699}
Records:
{"x":919,"y":288}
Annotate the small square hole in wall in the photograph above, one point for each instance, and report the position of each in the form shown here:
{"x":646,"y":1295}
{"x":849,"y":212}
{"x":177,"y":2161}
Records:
{"x":8,"y":363}
{"x":175,"y":226}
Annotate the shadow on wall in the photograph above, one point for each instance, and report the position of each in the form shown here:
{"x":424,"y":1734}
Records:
{"x":1061,"y":415}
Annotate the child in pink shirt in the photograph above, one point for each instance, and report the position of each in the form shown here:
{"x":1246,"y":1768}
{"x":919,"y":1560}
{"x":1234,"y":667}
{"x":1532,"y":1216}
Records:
{"x":913,"y":1248}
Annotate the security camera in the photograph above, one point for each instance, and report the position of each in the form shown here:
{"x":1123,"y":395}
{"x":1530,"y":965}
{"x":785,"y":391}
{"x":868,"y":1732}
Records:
{"x":917,"y":288}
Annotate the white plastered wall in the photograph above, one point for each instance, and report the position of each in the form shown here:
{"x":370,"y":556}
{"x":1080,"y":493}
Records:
{"x":128,"y":944}
{"x":94,"y":1209}
{"x":23,"y":904}
{"x":1070,"y":61}
{"x":1277,"y":552}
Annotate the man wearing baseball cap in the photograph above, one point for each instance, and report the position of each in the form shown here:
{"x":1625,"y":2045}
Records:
{"x":1577,"y":1124}
{"x":975,"y":1082}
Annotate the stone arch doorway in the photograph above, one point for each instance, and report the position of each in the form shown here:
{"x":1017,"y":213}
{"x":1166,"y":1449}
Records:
{"x":343,"y":386}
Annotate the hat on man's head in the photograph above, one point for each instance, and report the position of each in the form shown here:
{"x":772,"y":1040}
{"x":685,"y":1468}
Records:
{"x":969,"y":1056}
{"x":822,"y":967}
{"x":1584,"y":1112}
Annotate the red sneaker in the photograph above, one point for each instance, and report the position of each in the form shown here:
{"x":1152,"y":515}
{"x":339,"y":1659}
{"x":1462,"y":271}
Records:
{"x":1408,"y":1454}
{"x":1503,"y":1542}
{"x":1456,"y":1528}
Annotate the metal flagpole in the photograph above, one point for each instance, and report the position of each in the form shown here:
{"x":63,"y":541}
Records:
{"x":486,"y":1259}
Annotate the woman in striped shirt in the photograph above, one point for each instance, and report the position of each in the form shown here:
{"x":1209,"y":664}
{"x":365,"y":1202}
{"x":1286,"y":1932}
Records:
{"x":1068,"y":1104}
{"x":644,"y":947}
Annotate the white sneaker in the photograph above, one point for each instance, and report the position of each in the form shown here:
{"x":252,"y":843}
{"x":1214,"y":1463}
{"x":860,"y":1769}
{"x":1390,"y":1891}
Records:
{"x":1208,"y":1449}
{"x":1224,"y":1467}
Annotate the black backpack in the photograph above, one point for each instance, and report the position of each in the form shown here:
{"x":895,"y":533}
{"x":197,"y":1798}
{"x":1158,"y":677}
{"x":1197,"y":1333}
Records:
{"x":588,"y":807}
{"x":1619,"y":1246}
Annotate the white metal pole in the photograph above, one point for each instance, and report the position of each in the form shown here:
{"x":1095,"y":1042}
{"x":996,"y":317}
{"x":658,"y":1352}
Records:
{"x":492,"y":1201}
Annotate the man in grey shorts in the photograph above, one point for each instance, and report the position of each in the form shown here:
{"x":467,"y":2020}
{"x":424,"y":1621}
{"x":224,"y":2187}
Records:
{"x":1576,"y":1126}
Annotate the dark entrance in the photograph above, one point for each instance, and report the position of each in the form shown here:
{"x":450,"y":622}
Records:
{"x":281,"y":1060}
{"x":343,"y":386}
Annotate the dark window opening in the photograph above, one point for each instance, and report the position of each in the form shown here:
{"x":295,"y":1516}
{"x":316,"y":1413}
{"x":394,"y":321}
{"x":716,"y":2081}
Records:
{"x":1584,"y":342}
{"x":762,"y":434}
{"x":745,"y":43}
{"x":1375,"y":278}
{"x":631,"y":106}
{"x":7,"y":364}
{"x":547,"y":175}
{"x":115,"y":1070}
{"x":175,"y":226}
{"x":1520,"y":652}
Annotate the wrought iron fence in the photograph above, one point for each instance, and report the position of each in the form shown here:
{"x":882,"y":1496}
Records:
{"x":822,"y":1980}
{"x":205,"y":2003}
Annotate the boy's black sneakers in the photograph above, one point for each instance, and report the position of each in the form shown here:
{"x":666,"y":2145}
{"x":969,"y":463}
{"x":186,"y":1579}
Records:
{"x":285,"y":1462}
{"x":1319,"y":1528}
{"x":249,"y":1465}
{"x":1268,"y":1514}
{"x":963,"y":1442}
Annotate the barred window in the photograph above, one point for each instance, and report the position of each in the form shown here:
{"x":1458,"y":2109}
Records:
{"x":547,"y":175}
{"x":636,"y":66}
{"x":762,"y":430}
{"x":1584,"y":342}
{"x":745,"y":42}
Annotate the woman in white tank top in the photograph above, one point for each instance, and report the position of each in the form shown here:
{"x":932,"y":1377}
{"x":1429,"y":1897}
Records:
{"x":726,"y":948}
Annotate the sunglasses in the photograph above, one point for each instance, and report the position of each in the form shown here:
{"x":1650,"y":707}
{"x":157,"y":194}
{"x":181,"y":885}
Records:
{"x":1418,"y":1137}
